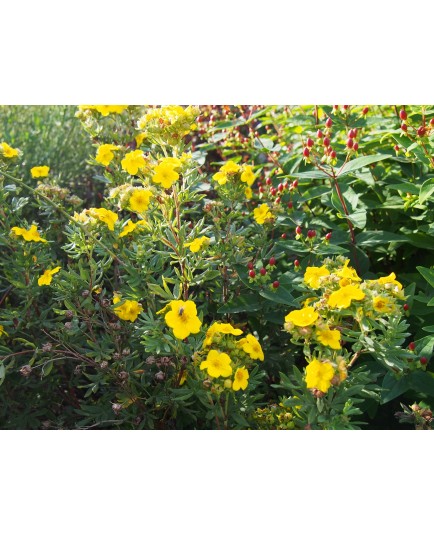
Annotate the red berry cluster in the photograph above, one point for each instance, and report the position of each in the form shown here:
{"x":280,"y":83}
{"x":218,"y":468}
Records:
{"x":422,"y":130}
{"x":264,"y":273}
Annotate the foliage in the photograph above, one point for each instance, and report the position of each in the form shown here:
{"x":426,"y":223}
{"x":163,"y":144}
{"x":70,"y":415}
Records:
{"x":216,"y":266}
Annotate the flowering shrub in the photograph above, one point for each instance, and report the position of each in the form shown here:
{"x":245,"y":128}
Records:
{"x":221,"y":267}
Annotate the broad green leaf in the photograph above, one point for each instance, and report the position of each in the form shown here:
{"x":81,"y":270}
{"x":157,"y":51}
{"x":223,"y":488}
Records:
{"x":426,"y":190}
{"x":393,"y":387}
{"x":375,"y":238}
{"x":241,"y":304}
{"x":361,"y":162}
{"x":422,"y":382}
{"x":427,"y":274}
{"x":280,"y":295}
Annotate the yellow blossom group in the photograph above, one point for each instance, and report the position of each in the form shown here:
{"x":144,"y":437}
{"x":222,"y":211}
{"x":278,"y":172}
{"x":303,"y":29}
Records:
{"x":47,"y":276}
{"x":182,"y":318}
{"x":30,"y":235}
{"x":128,"y":310}
{"x":39,"y":172}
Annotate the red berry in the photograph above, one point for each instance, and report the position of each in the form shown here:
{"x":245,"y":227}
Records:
{"x":277,"y":200}
{"x":309,"y":142}
{"x":290,"y":204}
{"x":365,"y":110}
{"x":335,"y":107}
{"x":311,"y":233}
{"x":263,"y":271}
{"x":326,"y":142}
{"x":276,"y":284}
{"x":296,"y":263}
{"x":350,"y":143}
{"x":269,"y":181}
{"x":283,"y":235}
{"x":356,"y":146}
{"x":250,"y":265}
{"x":404,"y":127}
{"x":423,"y":360}
{"x":412,"y":346}
{"x":273,"y":191}
{"x":328,"y":236}
{"x":406,"y":307}
{"x":333,"y":154}
{"x":252,"y":273}
{"x":352,"y":133}
{"x":432,"y":122}
{"x":306,"y":152}
{"x":298,"y":230}
{"x":280,"y":187}
{"x":345,"y":106}
{"x":403,"y":114}
{"x":272,"y":261}
{"x":396,"y":148}
{"x":421,"y":131}
{"x":261,"y":189}
{"x":295,"y":184}
{"x":329,"y":123}
{"x":319,"y":134}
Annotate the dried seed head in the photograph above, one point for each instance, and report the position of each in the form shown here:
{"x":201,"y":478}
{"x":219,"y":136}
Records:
{"x":115,"y":326}
{"x":47,"y":347}
{"x":126,"y":351}
{"x":85,"y":293}
{"x":123,"y":375}
{"x":117,"y":356}
{"x":150,"y":360}
{"x":160,"y":376}
{"x":105,"y":303}
{"x":69,"y":315}
{"x":26,"y":370}
{"x":103,"y":365}
{"x":116,"y":408}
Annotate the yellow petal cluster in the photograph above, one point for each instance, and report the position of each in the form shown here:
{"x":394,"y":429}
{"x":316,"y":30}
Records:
{"x":182,"y":318}
{"x":105,"y":153}
{"x":319,"y":375}
{"x":251,"y":346}
{"x":342,"y":298}
{"x":197,"y":244}
{"x":47,"y":276}
{"x":302,"y":317}
{"x":313,"y":275}
{"x":217,"y":364}
{"x":139,"y":200}
{"x":39,"y":172}
{"x":262,"y":214}
{"x":133,"y":161}
{"x":129,"y":310}
{"x":30,"y":235}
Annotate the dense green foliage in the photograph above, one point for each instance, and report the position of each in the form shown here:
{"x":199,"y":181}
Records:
{"x":272,"y":191}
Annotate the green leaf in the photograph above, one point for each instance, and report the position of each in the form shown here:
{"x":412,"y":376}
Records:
{"x":393,"y":387}
{"x":280,"y":295}
{"x":358,"y":218}
{"x":422,"y":382}
{"x":361,"y":162}
{"x":427,"y":274}
{"x":2,"y":372}
{"x":426,"y":190}
{"x":263,"y":143}
{"x":241,"y":304}
{"x":375,"y":238}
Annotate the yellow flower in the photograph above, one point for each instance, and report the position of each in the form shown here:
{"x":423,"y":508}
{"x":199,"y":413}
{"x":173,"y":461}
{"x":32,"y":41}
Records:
{"x":139,"y":200}
{"x":105,"y":109}
{"x":131,"y":226}
{"x":329,"y":337}
{"x":319,"y":375}
{"x":47,"y":276}
{"x":302,"y":317}
{"x":40,"y":171}
{"x":30,"y":235}
{"x":220,"y":177}
{"x":313,"y":275}
{"x":248,"y":192}
{"x":382,"y":304}
{"x":262,"y":214}
{"x":341,"y":299}
{"x":105,"y":154}
{"x":251,"y":346}
{"x":248,"y":176}
{"x":390,"y":279}
{"x":197,"y":244}
{"x":240,"y":379}
{"x":7,"y":151}
{"x":133,"y":161}
{"x":104,"y":215}
{"x":2,"y":331}
{"x":348,"y":273}
{"x":217,"y":364}
{"x":82,"y":217}
{"x":220,"y":327}
{"x":230,"y":168}
{"x":165,"y":175}
{"x":139,"y":138}
{"x":129,"y":310}
{"x":183,"y":318}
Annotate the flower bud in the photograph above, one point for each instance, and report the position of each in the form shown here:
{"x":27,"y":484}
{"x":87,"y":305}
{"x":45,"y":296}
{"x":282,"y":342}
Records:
{"x":26,"y":370}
